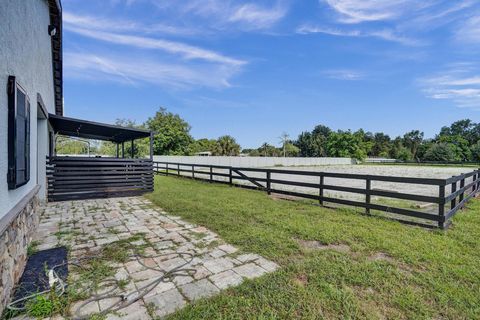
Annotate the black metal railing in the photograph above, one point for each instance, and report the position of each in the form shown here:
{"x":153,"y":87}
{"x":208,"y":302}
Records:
{"x":445,"y":202}
{"x":71,"y":178}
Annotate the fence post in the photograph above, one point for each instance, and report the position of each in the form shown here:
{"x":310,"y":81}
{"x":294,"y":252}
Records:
{"x":454,"y":200}
{"x":193,"y":171}
{"x":269,"y":186}
{"x":367,"y":196}
{"x":462,"y":185}
{"x":230,"y":176}
{"x":474,"y":182}
{"x":178,"y":169}
{"x":320,"y":190}
{"x":441,"y":207}
{"x":211,"y":173}
{"x":167,"y":169}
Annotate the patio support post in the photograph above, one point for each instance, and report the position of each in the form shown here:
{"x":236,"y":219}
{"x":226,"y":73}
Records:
{"x":123,"y":149}
{"x":132,"y":148}
{"x":151,"y":146}
{"x":117,"y":150}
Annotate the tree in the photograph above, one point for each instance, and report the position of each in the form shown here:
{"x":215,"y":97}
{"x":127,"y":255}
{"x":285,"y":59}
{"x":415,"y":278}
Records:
{"x":141,"y":147}
{"x":381,"y":145}
{"x":467,"y":129}
{"x":440,"y":152}
{"x":69,"y":145}
{"x":412,"y":140}
{"x":202,"y":145}
{"x":404,"y":154}
{"x":345,"y":144}
{"x":284,"y":140}
{"x":291,"y":150}
{"x":313,"y":144}
{"x":226,"y":146}
{"x":459,"y":145}
{"x":475,"y":150}
{"x":172,"y":133}
{"x":304,"y":144}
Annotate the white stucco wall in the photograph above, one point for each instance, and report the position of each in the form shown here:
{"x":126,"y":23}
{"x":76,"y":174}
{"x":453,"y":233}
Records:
{"x":255,"y":162}
{"x":25,"y":52}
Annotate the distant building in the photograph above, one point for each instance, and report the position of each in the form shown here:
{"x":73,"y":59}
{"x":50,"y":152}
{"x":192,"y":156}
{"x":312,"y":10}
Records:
{"x":204,"y":154}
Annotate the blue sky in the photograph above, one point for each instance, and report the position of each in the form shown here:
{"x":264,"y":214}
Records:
{"x":255,"y":69}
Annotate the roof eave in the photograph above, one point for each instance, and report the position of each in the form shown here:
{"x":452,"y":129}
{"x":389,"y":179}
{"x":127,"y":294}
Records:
{"x":55,"y":8}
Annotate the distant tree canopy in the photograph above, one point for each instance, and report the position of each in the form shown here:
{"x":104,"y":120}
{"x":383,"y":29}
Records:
{"x":226,"y":146}
{"x":141,"y":147}
{"x":172,"y":133}
{"x":458,"y":142}
{"x":68,"y":145}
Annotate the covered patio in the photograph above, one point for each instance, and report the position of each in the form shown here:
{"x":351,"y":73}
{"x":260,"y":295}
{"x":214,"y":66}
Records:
{"x":83,"y":177}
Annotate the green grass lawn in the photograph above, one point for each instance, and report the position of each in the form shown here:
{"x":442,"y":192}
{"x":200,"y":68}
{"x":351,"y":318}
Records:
{"x":392,"y":270}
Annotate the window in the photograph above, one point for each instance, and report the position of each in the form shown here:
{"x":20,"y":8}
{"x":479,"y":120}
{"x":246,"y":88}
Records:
{"x":18,"y":135}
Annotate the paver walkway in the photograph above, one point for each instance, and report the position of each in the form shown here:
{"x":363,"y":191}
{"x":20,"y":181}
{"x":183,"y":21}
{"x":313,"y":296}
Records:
{"x":88,"y":225}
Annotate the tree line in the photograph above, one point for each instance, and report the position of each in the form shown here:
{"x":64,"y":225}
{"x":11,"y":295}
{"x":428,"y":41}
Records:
{"x":458,"y":142}
{"x":171,"y":137}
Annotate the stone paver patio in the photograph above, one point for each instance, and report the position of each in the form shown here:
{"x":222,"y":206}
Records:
{"x":88,"y":225}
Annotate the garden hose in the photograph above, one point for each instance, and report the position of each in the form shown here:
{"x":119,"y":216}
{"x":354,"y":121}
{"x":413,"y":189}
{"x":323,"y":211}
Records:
{"x":124,"y":299}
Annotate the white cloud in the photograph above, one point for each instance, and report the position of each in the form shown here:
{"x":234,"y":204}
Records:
{"x":349,"y":75}
{"x":122,"y":70}
{"x":173,"y":47}
{"x":245,"y":16}
{"x":403,"y":21}
{"x":469,"y":30}
{"x":459,"y":83}
{"x":256,"y":16}
{"x":357,"y":11}
{"x":384,"y":34}
{"x":158,"y":61}
{"x":119,"y":25}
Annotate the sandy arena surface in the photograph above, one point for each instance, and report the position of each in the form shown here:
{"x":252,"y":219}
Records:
{"x":383,"y":170}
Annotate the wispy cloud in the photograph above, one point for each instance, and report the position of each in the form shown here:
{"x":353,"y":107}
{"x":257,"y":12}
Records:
{"x":459,"y":83}
{"x":469,"y":31}
{"x":121,"y":25}
{"x":344,"y":74}
{"x":402,"y":21}
{"x":165,"y":73}
{"x":173,"y":47}
{"x":156,"y":61}
{"x":354,"y":11}
{"x":384,"y":34}
{"x":257,"y":17}
{"x":242,"y":15}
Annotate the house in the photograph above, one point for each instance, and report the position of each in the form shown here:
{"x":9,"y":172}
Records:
{"x":31,"y":116}
{"x":31,"y":88}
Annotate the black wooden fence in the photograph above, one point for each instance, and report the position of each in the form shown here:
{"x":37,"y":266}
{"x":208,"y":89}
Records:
{"x":71,"y":178}
{"x":452,"y":193}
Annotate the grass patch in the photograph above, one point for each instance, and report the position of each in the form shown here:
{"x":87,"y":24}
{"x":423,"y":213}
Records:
{"x":33,"y":247}
{"x":428,"y":274}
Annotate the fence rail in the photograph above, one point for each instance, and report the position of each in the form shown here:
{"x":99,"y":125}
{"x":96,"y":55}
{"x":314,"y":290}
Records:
{"x":447,"y":201}
{"x":70,"y":178}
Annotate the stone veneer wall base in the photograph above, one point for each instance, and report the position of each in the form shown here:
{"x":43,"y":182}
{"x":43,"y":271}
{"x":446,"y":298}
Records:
{"x":16,"y":231}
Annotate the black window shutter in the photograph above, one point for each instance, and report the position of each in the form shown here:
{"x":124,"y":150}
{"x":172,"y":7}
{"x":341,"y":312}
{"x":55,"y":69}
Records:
{"x":27,"y":142}
{"x":20,"y":141}
{"x":18,"y":135}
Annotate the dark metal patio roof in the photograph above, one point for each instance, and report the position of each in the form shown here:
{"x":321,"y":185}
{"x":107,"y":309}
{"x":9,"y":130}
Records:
{"x":94,"y":130}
